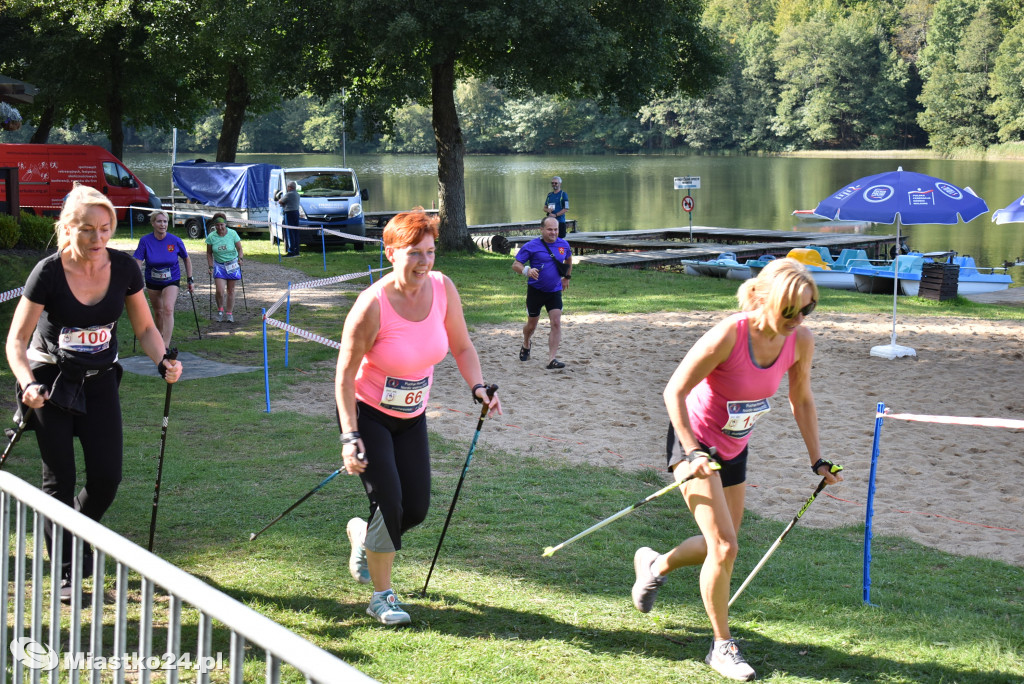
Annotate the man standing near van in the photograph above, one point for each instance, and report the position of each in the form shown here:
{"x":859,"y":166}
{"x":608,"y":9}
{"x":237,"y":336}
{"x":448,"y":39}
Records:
{"x":557,"y":204}
{"x":290,"y":204}
{"x":547,"y":264}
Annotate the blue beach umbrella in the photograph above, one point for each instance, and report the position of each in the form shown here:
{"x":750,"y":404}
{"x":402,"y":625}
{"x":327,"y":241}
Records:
{"x":901,"y":197}
{"x":1011,"y":213}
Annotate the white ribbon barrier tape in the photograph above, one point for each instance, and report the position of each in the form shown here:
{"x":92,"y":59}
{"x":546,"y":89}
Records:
{"x":11,"y":294}
{"x":957,"y":420}
{"x":337,"y":234}
{"x":303,"y":333}
{"x":308,"y":284}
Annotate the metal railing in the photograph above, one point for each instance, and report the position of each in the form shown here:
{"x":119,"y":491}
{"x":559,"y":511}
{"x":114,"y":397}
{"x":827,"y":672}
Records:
{"x":25,"y":656}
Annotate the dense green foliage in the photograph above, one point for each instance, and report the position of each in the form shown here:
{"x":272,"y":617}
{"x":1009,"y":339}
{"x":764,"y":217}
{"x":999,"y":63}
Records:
{"x":842,"y":74}
{"x":10,"y":231}
{"x":36,"y":231}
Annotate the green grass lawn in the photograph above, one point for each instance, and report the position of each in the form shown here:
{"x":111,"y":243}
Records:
{"x":496,"y":610}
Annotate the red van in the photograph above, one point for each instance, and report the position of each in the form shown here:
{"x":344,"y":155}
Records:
{"x":46,"y":174}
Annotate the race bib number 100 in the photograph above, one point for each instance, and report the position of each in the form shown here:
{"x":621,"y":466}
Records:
{"x":743,"y":415}
{"x":88,"y":340}
{"x":404,"y":396}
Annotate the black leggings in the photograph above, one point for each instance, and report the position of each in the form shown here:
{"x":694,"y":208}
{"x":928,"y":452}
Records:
{"x":397,"y":475}
{"x":100,"y":434}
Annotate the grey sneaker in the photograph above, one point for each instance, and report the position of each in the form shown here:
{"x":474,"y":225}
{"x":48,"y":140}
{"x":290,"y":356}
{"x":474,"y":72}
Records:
{"x":388,"y":610}
{"x":356,"y":531}
{"x":220,"y":316}
{"x":645,"y":589}
{"x":727,"y":661}
{"x":231,"y":319}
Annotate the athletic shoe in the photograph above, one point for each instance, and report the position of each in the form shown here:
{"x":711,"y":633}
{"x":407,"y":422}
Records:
{"x":220,"y":316}
{"x":524,"y":354}
{"x":231,"y":319}
{"x":645,"y":589}
{"x":356,"y":531}
{"x":727,"y":661}
{"x":65,"y":590}
{"x":387,"y":610}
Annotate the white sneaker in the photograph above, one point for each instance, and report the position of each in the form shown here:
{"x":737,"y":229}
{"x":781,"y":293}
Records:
{"x":220,"y":316}
{"x":356,"y":531}
{"x":387,"y":610}
{"x":231,"y":319}
{"x":727,"y":661}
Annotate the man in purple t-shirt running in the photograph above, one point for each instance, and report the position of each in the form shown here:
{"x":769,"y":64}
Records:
{"x":546,"y":262}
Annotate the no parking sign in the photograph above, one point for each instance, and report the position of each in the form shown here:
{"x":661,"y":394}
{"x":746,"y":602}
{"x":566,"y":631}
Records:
{"x":688,"y":203}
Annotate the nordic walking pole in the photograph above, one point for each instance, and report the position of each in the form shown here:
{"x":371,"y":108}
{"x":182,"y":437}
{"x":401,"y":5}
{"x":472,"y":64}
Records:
{"x":17,"y":434}
{"x":171,"y":355}
{"x":550,"y":551}
{"x":195,"y":313}
{"x":792,"y":523}
{"x":451,"y":509}
{"x":211,"y":293}
{"x":306,"y":496}
{"x":241,"y":278}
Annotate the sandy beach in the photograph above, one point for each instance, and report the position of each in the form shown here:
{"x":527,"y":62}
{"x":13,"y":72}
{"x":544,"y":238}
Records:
{"x":953,"y":488}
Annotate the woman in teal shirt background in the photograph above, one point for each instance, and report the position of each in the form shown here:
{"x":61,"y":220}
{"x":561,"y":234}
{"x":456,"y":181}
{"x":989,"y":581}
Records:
{"x":224,"y":257}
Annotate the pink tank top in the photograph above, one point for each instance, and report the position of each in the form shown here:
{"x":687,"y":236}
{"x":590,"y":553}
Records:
{"x":724,"y":406}
{"x":395,"y":375}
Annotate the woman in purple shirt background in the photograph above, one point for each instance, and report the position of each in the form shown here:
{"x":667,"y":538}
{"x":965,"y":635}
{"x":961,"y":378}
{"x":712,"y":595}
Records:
{"x":159,"y":253}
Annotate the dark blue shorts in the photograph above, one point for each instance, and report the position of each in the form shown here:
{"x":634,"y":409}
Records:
{"x":156,"y":287}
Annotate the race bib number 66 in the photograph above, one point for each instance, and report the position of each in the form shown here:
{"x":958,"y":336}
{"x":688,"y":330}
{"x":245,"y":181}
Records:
{"x":404,"y":396}
{"x":88,"y":340}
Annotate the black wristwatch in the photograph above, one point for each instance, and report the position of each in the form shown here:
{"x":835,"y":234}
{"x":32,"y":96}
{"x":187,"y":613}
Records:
{"x":191,"y":280}
{"x":568,"y":276}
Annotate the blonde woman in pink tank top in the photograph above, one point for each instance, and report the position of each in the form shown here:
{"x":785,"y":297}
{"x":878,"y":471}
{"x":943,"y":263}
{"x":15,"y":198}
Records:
{"x":714,"y":398}
{"x":395,"y":333}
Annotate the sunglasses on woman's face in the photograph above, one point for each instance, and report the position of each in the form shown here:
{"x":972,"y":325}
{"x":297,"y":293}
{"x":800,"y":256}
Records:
{"x":792,"y":311}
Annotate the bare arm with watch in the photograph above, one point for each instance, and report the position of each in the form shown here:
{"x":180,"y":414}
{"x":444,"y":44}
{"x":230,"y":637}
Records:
{"x":361,"y":327}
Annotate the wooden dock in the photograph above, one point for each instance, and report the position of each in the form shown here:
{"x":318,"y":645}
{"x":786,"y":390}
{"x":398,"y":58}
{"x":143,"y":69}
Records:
{"x":668,"y":246}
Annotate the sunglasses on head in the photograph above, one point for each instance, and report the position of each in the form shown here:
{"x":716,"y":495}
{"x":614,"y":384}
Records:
{"x":792,"y":311}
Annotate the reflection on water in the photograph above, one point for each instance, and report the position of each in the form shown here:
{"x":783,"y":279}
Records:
{"x":636,"y":192}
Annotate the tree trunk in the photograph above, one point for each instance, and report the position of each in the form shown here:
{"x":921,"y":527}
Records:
{"x":236,"y":101}
{"x":44,"y":125}
{"x":451,"y":150}
{"x":115,"y":109}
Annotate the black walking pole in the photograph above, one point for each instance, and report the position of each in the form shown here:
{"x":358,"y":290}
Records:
{"x":296,"y":504}
{"x":479,"y":425}
{"x":170,"y":355}
{"x":15,"y":434}
{"x":211,"y":293}
{"x":195,"y":313}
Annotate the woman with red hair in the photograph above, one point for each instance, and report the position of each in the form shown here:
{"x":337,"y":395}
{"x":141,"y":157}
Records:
{"x":397,"y":330}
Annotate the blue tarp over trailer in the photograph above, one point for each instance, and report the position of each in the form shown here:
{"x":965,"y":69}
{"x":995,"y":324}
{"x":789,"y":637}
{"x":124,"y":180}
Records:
{"x":223,"y":184}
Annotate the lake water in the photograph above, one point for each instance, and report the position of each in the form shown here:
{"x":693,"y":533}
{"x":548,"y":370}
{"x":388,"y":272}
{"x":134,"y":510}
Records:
{"x":633,"y":192}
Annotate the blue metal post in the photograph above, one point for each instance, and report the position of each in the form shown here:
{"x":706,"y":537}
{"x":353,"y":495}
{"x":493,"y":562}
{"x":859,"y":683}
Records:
{"x":369,"y":269}
{"x":131,"y":222}
{"x":287,"y":319}
{"x":871,"y":504}
{"x":323,"y":247}
{"x":266,"y":363}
